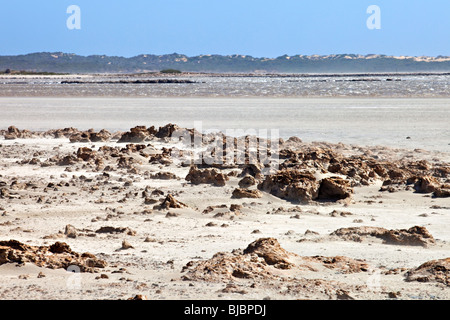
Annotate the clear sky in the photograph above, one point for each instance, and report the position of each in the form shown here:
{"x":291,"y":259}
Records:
{"x":250,"y":27}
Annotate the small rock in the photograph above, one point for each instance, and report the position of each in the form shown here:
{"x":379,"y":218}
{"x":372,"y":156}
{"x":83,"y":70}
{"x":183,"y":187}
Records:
{"x":232,"y":288}
{"x":247,"y":182}
{"x":172,"y":215}
{"x":343,"y":295}
{"x":211,"y":224}
{"x":139,"y":297}
{"x":126,"y":245}
{"x":394,"y":295}
{"x":310,"y":232}
{"x":244,"y":193}
{"x":235,"y":207}
{"x":71,"y":231}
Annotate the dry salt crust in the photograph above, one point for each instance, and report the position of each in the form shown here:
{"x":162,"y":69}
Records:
{"x":154,"y":268}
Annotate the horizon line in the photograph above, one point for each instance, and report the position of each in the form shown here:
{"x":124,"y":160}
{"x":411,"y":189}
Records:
{"x":232,"y":55}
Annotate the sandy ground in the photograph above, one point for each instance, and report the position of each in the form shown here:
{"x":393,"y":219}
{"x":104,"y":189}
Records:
{"x":163,"y":245}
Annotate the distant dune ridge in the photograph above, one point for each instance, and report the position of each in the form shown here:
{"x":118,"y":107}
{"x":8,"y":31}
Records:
{"x":335,"y":63}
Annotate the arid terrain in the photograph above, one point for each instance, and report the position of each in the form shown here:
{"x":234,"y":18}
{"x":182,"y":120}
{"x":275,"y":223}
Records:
{"x":113,"y":215}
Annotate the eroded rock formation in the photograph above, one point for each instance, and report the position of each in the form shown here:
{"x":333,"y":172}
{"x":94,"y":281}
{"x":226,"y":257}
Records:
{"x":56,"y":256}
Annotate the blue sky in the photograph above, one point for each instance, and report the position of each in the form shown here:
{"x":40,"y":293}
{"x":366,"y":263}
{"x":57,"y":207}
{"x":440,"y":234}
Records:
{"x":251,"y":27}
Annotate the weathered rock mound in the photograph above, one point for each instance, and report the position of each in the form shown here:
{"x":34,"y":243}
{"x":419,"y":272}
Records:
{"x":170,"y":203}
{"x":168,"y":130}
{"x":245,"y":193}
{"x":302,"y":186}
{"x":14,"y":133}
{"x":334,"y":188}
{"x":431,"y":271}
{"x":429,"y":184}
{"x":138,"y":134}
{"x":420,"y":176}
{"x":206,"y":176}
{"x":90,"y":136}
{"x":56,"y":256}
{"x":415,"y":236}
{"x":227,"y":266}
{"x":291,"y":185}
{"x":247,"y":182}
{"x":271,"y":251}
{"x":116,"y":230}
{"x":264,"y":259}
{"x":343,"y":264}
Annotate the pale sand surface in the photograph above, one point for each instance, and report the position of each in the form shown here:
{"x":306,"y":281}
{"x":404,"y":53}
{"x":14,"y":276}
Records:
{"x":359,"y":121}
{"x":154,"y":268}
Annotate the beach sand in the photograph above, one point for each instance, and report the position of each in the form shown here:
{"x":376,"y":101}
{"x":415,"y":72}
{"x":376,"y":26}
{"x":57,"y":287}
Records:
{"x":173,"y":253}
